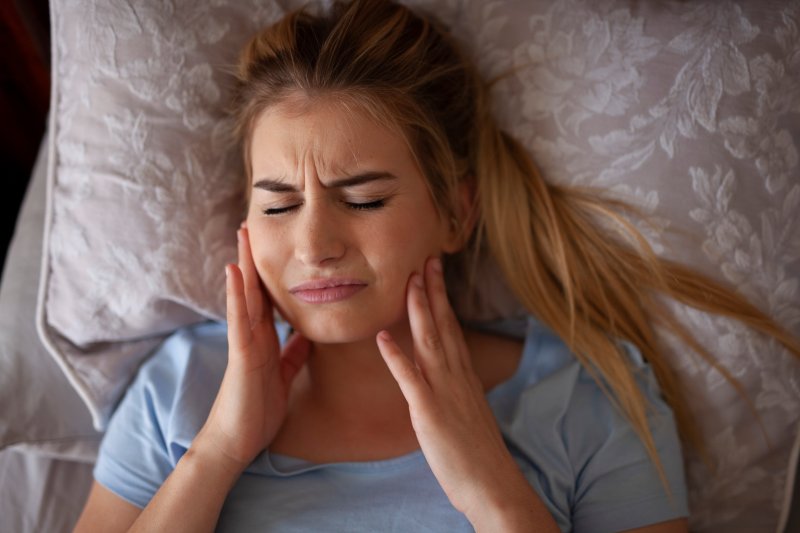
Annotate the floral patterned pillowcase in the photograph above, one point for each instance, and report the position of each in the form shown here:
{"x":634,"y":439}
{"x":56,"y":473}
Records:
{"x":689,"y":110}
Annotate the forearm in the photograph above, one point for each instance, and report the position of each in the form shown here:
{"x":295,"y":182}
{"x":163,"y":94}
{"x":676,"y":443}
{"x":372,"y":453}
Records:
{"x":192,"y":496}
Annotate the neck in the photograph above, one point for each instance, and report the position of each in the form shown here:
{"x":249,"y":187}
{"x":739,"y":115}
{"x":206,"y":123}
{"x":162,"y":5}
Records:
{"x":349,"y":380}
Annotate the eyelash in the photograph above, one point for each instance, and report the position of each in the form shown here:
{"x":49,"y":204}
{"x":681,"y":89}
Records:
{"x":366,"y":206}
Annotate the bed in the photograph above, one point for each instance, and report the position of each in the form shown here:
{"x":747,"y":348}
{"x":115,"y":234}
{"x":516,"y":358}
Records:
{"x":688,"y":110}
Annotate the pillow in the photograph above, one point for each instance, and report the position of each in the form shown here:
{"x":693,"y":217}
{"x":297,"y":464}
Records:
{"x":144,"y":188}
{"x":688,"y":110}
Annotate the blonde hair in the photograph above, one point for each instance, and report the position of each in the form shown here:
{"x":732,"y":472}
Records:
{"x":580,"y":266}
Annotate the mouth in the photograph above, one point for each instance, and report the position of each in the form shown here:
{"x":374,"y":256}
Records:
{"x":327,"y":290}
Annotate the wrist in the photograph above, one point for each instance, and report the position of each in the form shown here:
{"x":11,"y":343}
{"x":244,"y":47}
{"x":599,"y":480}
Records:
{"x":207,"y":456}
{"x":516,"y":508}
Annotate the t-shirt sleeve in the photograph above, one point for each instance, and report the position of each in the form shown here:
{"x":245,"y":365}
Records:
{"x":617,"y":485}
{"x":135,"y":458}
{"x":163,"y":410}
{"x":579,"y":451}
{"x":133,"y":461}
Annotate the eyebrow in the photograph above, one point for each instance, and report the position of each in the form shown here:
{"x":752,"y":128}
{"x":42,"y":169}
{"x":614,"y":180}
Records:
{"x":273,"y":185}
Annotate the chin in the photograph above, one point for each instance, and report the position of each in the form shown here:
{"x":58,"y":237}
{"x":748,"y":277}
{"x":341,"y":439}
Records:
{"x":335,"y":333}
{"x":342,"y":328}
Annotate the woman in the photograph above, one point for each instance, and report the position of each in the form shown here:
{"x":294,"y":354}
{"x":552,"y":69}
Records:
{"x":370,"y":156}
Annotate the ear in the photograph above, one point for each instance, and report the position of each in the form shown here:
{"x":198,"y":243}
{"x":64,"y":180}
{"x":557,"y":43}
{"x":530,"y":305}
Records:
{"x":462,"y":224}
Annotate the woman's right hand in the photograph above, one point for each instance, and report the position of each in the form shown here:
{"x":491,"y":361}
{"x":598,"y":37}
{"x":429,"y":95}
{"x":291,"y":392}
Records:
{"x":251,"y":403}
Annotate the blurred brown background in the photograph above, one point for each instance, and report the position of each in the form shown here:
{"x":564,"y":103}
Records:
{"x":24,"y":100}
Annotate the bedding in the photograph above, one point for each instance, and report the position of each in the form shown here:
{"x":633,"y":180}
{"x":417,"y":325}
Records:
{"x":687,"y":110}
{"x":41,"y":494}
{"x":38,"y":407}
{"x":47,"y":442}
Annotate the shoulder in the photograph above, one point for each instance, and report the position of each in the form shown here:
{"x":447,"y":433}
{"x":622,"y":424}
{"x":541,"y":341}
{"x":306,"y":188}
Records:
{"x":176,"y":386}
{"x":566,"y":392}
{"x":186,"y":347}
{"x":578,"y":447}
{"x":173,"y":390}
{"x":180,"y":378}
{"x":161,"y":412}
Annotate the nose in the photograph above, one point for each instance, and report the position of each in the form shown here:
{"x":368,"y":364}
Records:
{"x":319,"y":237}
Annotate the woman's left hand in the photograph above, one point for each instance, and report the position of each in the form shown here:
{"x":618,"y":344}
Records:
{"x":453,"y":422}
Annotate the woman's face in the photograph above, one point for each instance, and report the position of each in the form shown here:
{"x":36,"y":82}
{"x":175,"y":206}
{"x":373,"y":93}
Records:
{"x":339,"y":218}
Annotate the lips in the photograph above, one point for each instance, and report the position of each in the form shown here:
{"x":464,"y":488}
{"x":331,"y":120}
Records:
{"x":327,"y":290}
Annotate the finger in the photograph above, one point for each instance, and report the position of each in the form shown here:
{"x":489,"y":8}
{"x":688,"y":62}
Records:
{"x":253,"y":289}
{"x":294,"y":356}
{"x":455,"y":348}
{"x":412,"y":383}
{"x":239,"y":332}
{"x":428,"y":347}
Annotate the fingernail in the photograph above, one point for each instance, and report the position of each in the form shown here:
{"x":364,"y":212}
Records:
{"x":244,"y":224}
{"x":226,"y":270}
{"x":417,"y":280}
{"x":384,"y":336}
{"x":238,"y":234}
{"x":436,"y":264}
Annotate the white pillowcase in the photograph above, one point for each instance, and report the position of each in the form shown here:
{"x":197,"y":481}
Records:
{"x":689,"y":110}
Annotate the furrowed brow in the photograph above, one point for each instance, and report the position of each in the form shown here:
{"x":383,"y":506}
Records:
{"x":272,"y":185}
{"x":360,"y":179}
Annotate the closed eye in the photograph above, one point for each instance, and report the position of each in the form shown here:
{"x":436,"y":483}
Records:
{"x":280,"y":210}
{"x":357,"y":206}
{"x":376,"y":204}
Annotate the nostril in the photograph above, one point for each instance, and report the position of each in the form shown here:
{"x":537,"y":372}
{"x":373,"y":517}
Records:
{"x":317,"y":248}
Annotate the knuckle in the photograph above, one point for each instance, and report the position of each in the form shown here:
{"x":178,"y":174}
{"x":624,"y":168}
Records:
{"x":450,"y":327}
{"x":433,"y":342}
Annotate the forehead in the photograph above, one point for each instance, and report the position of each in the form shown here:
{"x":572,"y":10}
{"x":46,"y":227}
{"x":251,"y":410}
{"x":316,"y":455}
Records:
{"x":331,"y":136}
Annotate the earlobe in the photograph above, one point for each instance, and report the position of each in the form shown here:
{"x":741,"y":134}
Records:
{"x":461,"y":225}
{"x":454,"y":239}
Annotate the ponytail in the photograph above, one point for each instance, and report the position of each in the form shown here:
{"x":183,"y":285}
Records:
{"x":587,"y":273}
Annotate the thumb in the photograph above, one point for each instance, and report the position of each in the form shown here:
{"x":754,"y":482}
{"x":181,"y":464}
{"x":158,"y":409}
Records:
{"x":293,"y":357}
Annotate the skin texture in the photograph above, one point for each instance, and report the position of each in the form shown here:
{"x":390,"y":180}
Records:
{"x":392,"y":354}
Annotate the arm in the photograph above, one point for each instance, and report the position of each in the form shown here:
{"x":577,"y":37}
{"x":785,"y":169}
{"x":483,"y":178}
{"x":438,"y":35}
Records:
{"x":189,"y":500}
{"x":105,"y":511}
{"x":247,"y":412}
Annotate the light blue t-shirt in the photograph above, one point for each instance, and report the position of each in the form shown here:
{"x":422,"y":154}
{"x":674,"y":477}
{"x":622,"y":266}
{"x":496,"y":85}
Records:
{"x":577,"y":451}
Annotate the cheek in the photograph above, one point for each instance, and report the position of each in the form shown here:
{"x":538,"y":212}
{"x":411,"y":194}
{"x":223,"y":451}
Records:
{"x":266,"y":256}
{"x":402,"y":246}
